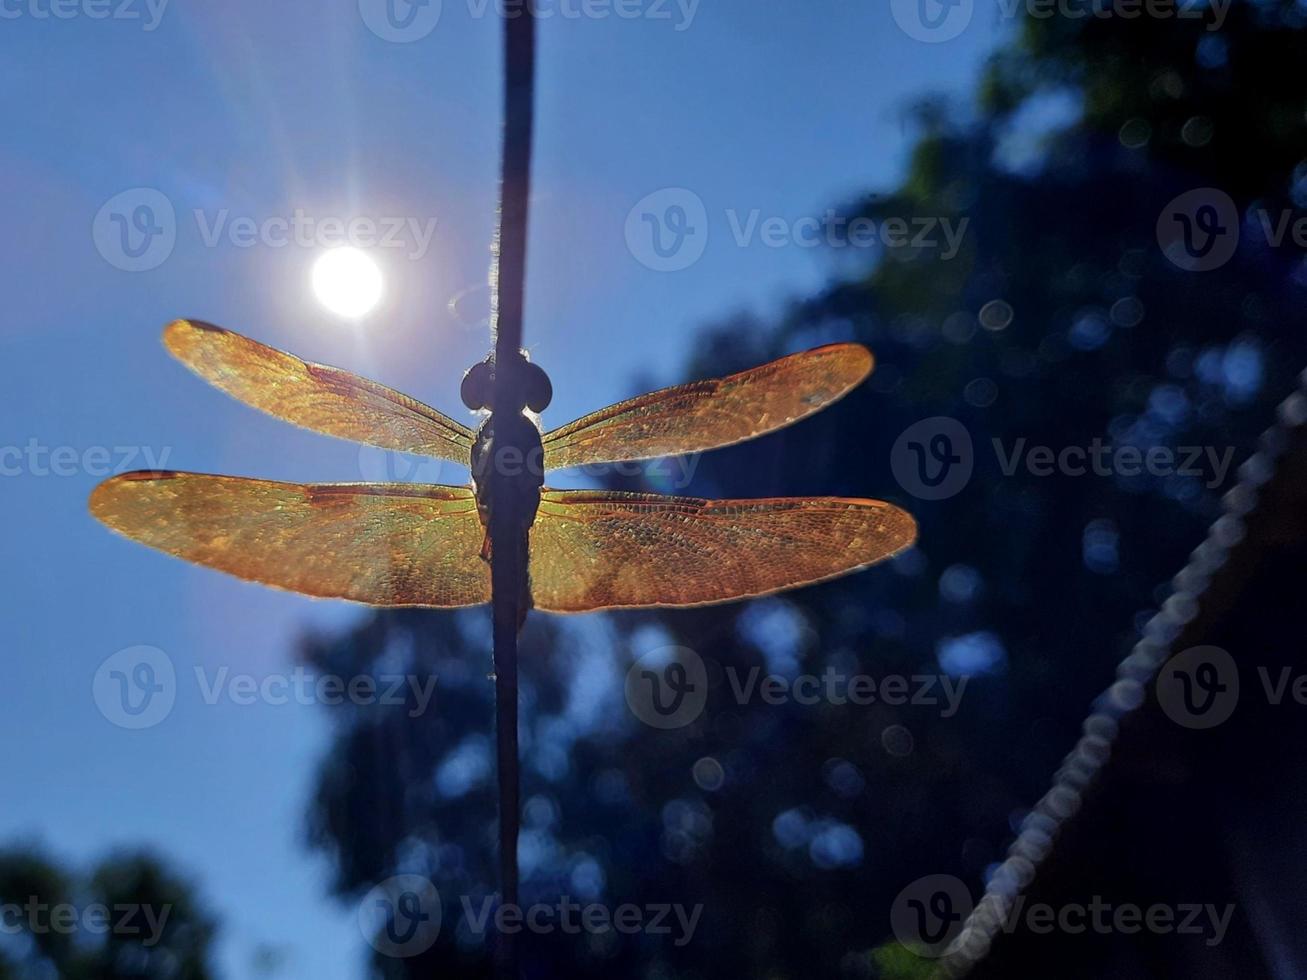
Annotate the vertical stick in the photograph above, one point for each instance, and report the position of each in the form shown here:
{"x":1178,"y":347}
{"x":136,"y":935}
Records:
{"x":504,"y":587}
{"x":509,"y":279}
{"x":508,"y":569}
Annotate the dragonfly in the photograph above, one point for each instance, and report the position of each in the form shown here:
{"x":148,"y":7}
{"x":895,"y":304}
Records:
{"x":409,"y":544}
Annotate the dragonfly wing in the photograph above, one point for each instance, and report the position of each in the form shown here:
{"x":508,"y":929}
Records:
{"x":599,"y":550}
{"x":325,"y":399}
{"x":384,"y":544}
{"x":706,"y":415}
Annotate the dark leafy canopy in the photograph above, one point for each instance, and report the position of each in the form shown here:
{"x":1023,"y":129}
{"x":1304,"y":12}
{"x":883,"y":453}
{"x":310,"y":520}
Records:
{"x":153,"y":926}
{"x":1060,"y":321}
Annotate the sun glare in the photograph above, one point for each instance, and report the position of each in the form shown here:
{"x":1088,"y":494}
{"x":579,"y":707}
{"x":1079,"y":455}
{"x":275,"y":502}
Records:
{"x":347,"y":281}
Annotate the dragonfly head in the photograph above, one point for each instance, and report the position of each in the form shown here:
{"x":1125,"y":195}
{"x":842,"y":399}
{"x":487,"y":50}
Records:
{"x":521,"y":385}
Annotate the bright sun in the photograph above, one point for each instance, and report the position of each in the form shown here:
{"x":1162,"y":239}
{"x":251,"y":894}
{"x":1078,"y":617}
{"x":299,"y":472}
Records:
{"x":347,"y":281}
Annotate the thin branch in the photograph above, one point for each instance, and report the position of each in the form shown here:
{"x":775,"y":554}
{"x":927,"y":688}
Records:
{"x":508,"y":567}
{"x":509,"y":278}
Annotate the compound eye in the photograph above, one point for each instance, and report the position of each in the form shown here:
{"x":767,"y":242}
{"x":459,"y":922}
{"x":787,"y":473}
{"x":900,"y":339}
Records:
{"x":476,"y":387}
{"x":537,"y":389}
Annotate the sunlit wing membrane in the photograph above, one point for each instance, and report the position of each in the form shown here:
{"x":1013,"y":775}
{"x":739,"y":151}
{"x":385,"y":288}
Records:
{"x":325,"y":399}
{"x":384,"y":544}
{"x":706,"y":415}
{"x":598,"y":550}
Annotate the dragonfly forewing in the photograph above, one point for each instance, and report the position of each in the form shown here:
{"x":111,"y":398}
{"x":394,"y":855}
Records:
{"x":325,"y":399}
{"x":707,"y":415}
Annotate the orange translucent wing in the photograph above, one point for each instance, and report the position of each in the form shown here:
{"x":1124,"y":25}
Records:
{"x":709,"y":414}
{"x":598,"y":550}
{"x":325,"y":399}
{"x":384,"y":544}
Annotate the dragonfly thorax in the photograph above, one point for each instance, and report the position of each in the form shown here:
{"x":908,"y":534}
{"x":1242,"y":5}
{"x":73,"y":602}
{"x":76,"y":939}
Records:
{"x":508,"y":469}
{"x":507,"y":455}
{"x":510,"y":387}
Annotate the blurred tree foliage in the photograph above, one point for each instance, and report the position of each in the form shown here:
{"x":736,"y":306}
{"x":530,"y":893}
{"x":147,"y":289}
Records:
{"x":130,"y":918}
{"x":1060,"y":321}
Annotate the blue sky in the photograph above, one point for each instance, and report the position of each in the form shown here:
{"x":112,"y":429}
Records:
{"x":252,"y":110}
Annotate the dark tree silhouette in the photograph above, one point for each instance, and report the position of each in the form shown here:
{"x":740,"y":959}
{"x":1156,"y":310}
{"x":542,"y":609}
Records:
{"x":129,"y":918}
